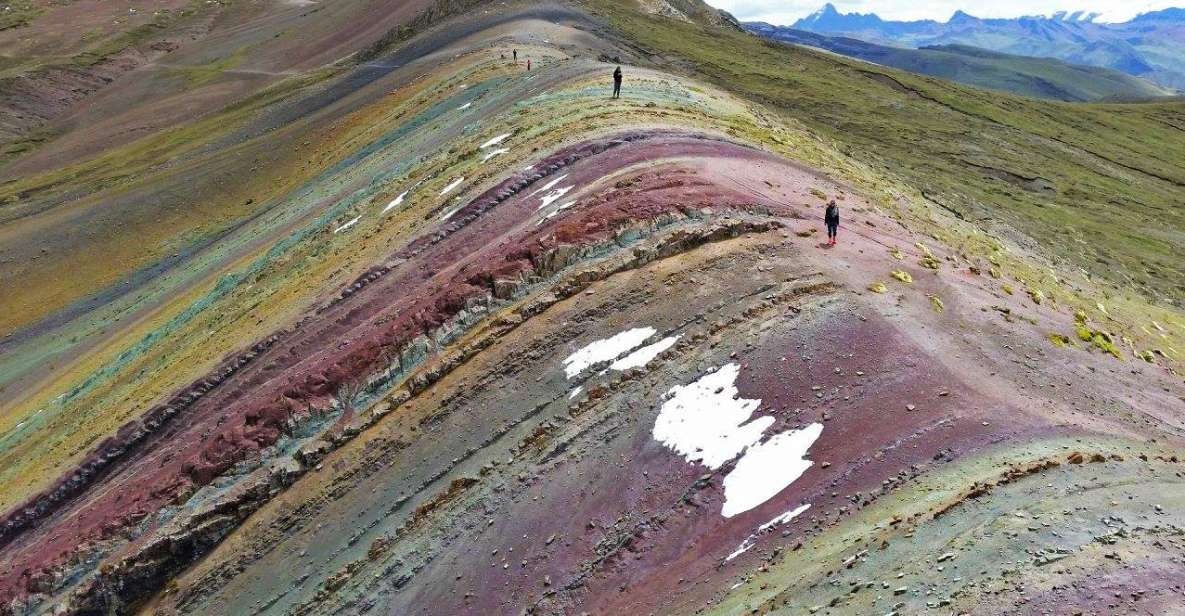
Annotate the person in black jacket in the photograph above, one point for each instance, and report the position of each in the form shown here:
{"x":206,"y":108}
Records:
{"x":617,"y":83}
{"x":831,"y":219}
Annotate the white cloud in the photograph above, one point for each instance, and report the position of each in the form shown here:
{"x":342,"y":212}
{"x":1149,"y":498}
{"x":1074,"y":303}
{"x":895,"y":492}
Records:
{"x":788,"y":11}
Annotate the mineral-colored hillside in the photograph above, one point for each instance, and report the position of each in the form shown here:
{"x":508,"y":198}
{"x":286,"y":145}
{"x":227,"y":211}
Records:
{"x":381,"y":321}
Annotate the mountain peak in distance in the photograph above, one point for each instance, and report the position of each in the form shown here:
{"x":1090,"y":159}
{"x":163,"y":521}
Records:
{"x":829,"y":18}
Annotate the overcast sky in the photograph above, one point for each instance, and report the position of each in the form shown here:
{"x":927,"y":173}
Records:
{"x":787,"y":11}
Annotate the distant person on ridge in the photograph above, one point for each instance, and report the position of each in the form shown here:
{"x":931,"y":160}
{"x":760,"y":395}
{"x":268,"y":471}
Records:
{"x":515,"y":52}
{"x":831,"y":219}
{"x":617,"y":82}
{"x":528,"y":64}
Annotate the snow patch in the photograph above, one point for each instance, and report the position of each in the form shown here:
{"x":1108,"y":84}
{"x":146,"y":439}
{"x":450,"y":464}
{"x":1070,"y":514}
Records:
{"x":394,"y":202}
{"x":767,"y":468}
{"x":549,"y":185}
{"x":707,"y":422}
{"x":575,"y":392}
{"x":745,"y":546}
{"x":785,"y":517}
{"x":495,"y":141}
{"x":554,"y":195}
{"x":605,"y":350}
{"x":464,"y":107}
{"x":450,"y":187}
{"x":347,"y":225}
{"x":493,"y":153}
{"x":644,"y":355}
{"x":751,"y":540}
{"x":449,"y":214}
{"x":561,"y":207}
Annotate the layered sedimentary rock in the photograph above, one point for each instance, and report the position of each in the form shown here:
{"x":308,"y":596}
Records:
{"x":502,"y":343}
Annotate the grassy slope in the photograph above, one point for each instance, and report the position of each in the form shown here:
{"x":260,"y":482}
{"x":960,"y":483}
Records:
{"x":18,"y":13}
{"x":1117,"y":171}
{"x":1027,"y":76}
{"x":1031,"y":76}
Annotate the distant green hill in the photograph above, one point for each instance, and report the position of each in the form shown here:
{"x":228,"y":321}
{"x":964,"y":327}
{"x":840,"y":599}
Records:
{"x":1027,"y":76}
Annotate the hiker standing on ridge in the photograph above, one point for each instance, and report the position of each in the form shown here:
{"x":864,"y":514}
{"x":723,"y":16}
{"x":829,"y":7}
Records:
{"x":617,"y":82}
{"x":528,"y":64}
{"x":515,"y":52}
{"x":831,"y":219}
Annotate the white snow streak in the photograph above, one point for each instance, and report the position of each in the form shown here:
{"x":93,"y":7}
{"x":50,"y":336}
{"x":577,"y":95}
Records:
{"x":394,"y":203}
{"x":495,"y":141}
{"x":644,"y":355}
{"x":605,"y":350}
{"x":751,"y":540}
{"x":449,"y":214}
{"x":549,"y":185}
{"x":450,"y":187}
{"x":554,"y":195}
{"x":561,"y":207}
{"x":745,"y":546}
{"x":785,"y":517}
{"x":347,"y":225}
{"x":493,"y":153}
